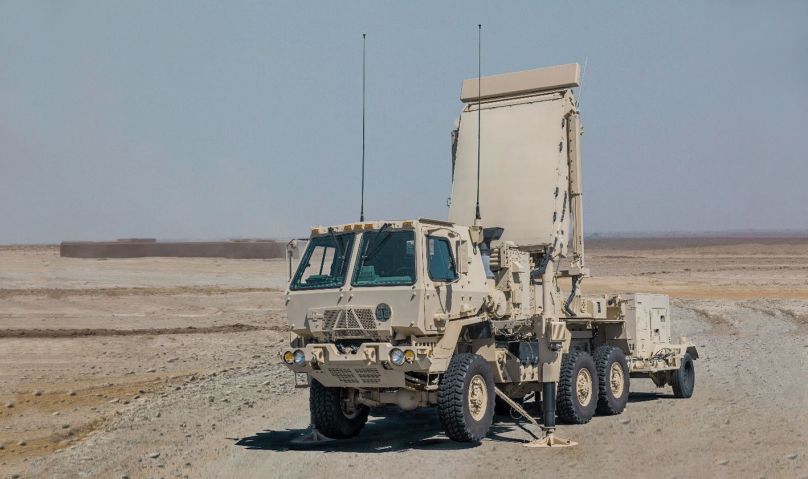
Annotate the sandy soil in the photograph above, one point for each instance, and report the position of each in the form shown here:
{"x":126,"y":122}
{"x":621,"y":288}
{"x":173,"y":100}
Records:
{"x":168,"y":368}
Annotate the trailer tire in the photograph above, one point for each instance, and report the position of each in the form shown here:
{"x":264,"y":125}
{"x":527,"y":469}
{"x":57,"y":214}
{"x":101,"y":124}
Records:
{"x":683,"y":379}
{"x":613,"y":380}
{"x":328,"y":413}
{"x":576,"y":396}
{"x":466,"y":398}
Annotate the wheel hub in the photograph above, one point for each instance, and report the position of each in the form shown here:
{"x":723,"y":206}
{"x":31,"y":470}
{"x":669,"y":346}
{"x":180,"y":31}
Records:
{"x":616,"y":379}
{"x":583,"y":386}
{"x":478,"y":397}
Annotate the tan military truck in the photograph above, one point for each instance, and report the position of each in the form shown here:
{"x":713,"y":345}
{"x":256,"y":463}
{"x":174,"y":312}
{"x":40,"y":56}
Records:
{"x":452,"y":314}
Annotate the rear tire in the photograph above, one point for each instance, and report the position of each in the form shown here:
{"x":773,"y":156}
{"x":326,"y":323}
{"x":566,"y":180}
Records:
{"x":576,"y":396}
{"x":330,"y":415}
{"x":613,"y":380}
{"x":466,"y":398}
{"x":683,"y":379}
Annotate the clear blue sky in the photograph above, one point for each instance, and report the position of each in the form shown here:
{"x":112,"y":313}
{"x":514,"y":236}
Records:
{"x":243,"y":119}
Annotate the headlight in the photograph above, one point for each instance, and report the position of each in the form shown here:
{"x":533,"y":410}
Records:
{"x":409,"y":355}
{"x":288,"y":357}
{"x":397,"y":357}
{"x":299,"y":357}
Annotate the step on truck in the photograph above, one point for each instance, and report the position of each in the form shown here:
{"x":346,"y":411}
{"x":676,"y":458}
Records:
{"x":471,"y":316}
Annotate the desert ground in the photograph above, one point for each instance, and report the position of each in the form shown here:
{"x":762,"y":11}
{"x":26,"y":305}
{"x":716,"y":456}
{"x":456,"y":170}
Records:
{"x":168,"y":367}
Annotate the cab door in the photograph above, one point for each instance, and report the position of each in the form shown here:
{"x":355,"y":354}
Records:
{"x":441,"y":300}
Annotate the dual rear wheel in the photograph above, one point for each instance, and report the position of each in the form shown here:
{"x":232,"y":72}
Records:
{"x":590,"y":384}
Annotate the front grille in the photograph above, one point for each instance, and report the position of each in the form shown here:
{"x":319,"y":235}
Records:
{"x":330,"y":318}
{"x":347,"y":323}
{"x":365,"y":316}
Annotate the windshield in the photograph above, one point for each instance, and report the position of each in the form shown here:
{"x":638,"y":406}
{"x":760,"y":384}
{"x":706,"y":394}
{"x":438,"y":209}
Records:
{"x":325,"y":262}
{"x":386,"y":258}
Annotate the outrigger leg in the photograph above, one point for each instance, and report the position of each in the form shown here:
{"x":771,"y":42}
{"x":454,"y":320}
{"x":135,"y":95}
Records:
{"x":548,"y":397}
{"x":313,"y":437}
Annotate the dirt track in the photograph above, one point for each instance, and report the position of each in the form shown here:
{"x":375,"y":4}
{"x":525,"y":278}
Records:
{"x":152,"y":398}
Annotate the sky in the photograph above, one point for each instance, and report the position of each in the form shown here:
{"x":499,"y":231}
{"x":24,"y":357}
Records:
{"x":215,"y":120}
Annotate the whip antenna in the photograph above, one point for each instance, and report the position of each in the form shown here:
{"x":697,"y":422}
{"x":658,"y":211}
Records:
{"x":362,"y":206}
{"x":477,"y":216}
{"x":583,"y":76}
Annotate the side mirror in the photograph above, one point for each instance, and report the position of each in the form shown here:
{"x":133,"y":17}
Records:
{"x":293,"y":252}
{"x":291,"y":248}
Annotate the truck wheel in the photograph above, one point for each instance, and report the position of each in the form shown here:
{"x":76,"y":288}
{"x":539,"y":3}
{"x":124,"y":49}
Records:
{"x":613,"y":380}
{"x":576,"y":396}
{"x":466,"y":398}
{"x":334,"y":413}
{"x":684,"y":378}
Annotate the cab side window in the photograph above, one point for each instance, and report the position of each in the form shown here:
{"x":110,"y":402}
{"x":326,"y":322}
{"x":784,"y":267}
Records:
{"x":440,"y":262}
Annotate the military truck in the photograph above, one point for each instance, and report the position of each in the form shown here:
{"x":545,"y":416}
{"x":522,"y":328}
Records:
{"x":472,"y":316}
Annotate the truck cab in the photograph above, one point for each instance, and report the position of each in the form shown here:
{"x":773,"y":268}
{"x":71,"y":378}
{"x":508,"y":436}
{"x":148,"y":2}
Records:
{"x":363,"y":293}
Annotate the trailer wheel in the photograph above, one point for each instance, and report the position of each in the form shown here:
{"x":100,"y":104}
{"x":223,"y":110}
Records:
{"x":683,"y":379}
{"x":577,"y":388}
{"x":334,"y":413}
{"x":466,"y":398}
{"x":613,"y":380}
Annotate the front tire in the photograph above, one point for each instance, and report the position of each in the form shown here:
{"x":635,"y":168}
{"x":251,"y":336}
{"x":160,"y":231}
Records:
{"x":577,"y":388}
{"x":613,"y":380}
{"x":684,"y":378}
{"x":466,"y":398}
{"x":333,"y":414}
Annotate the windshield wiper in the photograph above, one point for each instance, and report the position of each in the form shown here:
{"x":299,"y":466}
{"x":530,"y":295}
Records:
{"x":337,"y":244}
{"x":377,"y":244}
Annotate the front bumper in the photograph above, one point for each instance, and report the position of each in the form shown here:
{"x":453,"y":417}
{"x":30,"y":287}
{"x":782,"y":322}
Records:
{"x":368,"y":367}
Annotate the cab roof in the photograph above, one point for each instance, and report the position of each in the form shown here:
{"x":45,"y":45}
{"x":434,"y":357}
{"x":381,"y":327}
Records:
{"x":374,"y":225}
